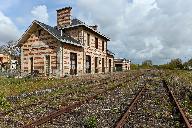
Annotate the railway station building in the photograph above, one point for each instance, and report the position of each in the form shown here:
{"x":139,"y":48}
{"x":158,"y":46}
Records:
{"x":70,"y":48}
{"x":122,"y":64}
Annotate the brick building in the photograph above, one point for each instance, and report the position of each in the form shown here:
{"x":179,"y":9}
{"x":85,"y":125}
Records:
{"x":70,"y":48}
{"x":122,"y":64}
{"x":4,"y":58}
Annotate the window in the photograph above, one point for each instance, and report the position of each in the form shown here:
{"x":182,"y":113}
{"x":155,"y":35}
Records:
{"x":39,"y":33}
{"x":88,"y":39}
{"x":96,"y":43}
{"x":103,"y":45}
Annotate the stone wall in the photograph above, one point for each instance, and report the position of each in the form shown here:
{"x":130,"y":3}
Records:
{"x":81,"y":35}
{"x":37,"y":47}
{"x":67,"y":49}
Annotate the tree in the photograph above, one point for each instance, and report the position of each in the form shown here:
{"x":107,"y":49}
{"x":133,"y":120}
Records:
{"x":188,"y":65}
{"x":147,"y":64}
{"x":175,"y":64}
{"x":11,"y":49}
{"x":134,"y":66}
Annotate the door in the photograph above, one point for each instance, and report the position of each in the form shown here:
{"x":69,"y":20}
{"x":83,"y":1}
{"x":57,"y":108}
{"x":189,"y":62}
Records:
{"x":47,"y":65}
{"x":88,"y":64}
{"x":109,"y":65}
{"x":96,"y":64}
{"x":103,"y":63}
{"x":31,"y":62}
{"x":119,"y":67}
{"x":73,"y":63}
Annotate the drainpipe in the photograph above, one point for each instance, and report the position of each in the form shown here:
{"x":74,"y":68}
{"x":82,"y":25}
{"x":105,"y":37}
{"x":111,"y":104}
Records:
{"x":62,"y":58}
{"x":83,"y":55}
{"x":62,"y":53}
{"x":61,"y":32}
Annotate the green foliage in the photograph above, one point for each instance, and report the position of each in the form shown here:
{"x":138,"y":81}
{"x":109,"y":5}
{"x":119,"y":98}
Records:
{"x":188,"y":65}
{"x":100,"y":97}
{"x":114,"y":110}
{"x":147,"y":64}
{"x":134,"y":66}
{"x":4,"y":104}
{"x":175,"y":64}
{"x":90,"y":122}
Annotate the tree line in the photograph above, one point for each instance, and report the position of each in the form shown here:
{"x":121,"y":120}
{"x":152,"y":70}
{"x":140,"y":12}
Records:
{"x":174,"y":64}
{"x":10,"y":48}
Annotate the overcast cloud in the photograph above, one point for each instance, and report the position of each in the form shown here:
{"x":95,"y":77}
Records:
{"x":40,"y":13}
{"x":143,"y":29}
{"x":8,"y":30}
{"x":139,"y":29}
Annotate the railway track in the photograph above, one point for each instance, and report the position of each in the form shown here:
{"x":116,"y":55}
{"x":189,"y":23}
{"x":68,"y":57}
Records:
{"x":91,"y":85}
{"x":146,"y":118}
{"x":181,"y":89}
{"x":150,"y":102}
{"x":71,"y":107}
{"x":96,"y":89}
{"x":106,"y":108}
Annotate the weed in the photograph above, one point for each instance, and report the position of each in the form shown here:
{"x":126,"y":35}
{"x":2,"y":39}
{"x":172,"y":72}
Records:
{"x":90,"y":122}
{"x":99,"y":97}
{"x":4,"y":104}
{"x":114,"y":110}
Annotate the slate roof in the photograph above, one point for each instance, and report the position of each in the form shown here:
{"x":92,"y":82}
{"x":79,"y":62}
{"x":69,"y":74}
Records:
{"x":77,"y":23}
{"x":110,"y":53}
{"x":120,"y":60}
{"x":57,"y":33}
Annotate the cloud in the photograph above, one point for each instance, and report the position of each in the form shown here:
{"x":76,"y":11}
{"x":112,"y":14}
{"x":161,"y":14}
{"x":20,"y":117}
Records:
{"x":8,"y":30}
{"x":40,"y":13}
{"x":143,"y":29}
{"x":7,"y":4}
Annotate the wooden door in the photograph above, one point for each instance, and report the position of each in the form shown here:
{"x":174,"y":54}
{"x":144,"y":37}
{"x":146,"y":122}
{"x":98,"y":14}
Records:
{"x":31,"y":62}
{"x":73,"y":63}
{"x":96,"y":64}
{"x":88,"y":64}
{"x":103,"y":65}
{"x":109,"y":65}
{"x":47,"y":65}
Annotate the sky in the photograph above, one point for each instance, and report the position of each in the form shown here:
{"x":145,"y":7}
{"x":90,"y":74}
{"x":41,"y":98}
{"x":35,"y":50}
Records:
{"x":159,"y":30}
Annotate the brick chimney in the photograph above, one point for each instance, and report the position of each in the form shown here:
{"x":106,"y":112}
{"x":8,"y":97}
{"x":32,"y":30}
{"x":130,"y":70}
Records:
{"x":64,"y":17}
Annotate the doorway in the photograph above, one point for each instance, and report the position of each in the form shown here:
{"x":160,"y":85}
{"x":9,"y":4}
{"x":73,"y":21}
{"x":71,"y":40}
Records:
{"x":119,"y":67}
{"x":73,"y":63}
{"x":88,"y":64}
{"x":103,"y":63}
{"x":109,"y":65}
{"x":96,"y":64}
{"x":47,"y":65}
{"x":31,"y":64}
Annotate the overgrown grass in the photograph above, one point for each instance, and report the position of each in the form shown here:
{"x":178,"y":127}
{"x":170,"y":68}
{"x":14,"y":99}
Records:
{"x":13,"y":86}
